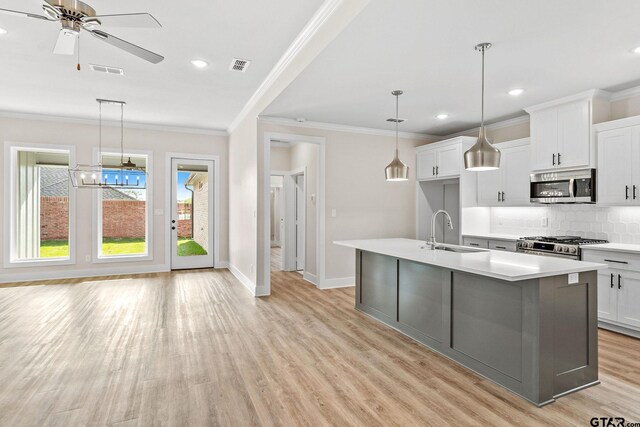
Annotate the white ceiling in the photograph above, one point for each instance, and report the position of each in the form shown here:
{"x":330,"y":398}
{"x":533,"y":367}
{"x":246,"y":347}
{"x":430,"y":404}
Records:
{"x":550,"y":48}
{"x":172,"y":93}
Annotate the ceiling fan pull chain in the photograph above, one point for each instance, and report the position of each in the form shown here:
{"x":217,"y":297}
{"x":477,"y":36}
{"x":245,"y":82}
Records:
{"x":78,"y":66}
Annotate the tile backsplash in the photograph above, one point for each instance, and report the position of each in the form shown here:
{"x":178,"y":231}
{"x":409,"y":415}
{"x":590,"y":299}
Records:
{"x":617,"y":224}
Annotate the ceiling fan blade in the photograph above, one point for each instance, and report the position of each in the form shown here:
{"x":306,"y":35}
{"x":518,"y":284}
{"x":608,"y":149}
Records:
{"x":27,"y":14}
{"x":138,"y":51}
{"x":131,"y":20}
{"x":66,"y":44}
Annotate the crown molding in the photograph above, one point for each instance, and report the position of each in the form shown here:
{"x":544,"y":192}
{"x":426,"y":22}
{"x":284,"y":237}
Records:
{"x":112,"y":123}
{"x":625,"y":94}
{"x":325,"y":11}
{"x":589,"y":94}
{"x":493,"y":126}
{"x":345,"y":128}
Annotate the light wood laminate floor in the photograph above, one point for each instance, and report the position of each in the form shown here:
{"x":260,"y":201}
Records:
{"x":195,"y":348}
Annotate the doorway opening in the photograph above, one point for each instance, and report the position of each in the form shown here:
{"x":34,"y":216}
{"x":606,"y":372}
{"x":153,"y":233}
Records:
{"x":294,"y":213}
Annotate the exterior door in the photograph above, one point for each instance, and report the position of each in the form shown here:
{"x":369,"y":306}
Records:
{"x":191,"y":223}
{"x":300,"y":221}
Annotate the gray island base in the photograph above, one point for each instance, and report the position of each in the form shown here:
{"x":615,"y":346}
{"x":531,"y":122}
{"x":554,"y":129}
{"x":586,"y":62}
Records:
{"x":536,"y":337}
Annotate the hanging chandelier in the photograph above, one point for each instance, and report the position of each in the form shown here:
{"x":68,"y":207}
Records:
{"x":482,"y":156}
{"x":124,"y":175}
{"x":396,"y":170}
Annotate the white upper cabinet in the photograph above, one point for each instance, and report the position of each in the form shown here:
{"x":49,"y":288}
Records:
{"x":618,"y":178}
{"x":440,"y":160}
{"x":509,"y":185}
{"x":561,"y":131}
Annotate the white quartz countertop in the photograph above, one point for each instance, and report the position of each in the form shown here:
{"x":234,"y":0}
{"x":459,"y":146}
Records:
{"x":510,"y":266}
{"x":614,"y":247}
{"x":494,"y":236}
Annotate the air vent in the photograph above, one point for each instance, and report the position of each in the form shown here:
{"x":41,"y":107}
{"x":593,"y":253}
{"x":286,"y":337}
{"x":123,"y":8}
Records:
{"x":393,"y":120}
{"x":239,"y":65}
{"x":107,"y":70}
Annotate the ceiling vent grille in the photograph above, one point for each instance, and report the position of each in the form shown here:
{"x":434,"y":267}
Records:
{"x":239,"y":65}
{"x":106,"y":69}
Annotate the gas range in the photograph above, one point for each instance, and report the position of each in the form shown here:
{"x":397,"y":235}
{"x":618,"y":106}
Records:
{"x":559,"y":246}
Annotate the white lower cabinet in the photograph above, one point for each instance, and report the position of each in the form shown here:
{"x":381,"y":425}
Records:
{"x":488,"y":243}
{"x":475,"y":242}
{"x":618,"y":288}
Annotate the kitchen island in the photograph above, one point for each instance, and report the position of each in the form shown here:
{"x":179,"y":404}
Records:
{"x":527,"y":322}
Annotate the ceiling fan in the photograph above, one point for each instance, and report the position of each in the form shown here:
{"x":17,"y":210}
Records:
{"x":75,"y":15}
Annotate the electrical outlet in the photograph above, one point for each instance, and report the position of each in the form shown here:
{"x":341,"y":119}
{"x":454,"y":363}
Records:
{"x":573,"y":278}
{"x":544,"y":222}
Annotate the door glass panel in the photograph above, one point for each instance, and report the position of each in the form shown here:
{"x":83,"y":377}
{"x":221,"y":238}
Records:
{"x":192,"y":210}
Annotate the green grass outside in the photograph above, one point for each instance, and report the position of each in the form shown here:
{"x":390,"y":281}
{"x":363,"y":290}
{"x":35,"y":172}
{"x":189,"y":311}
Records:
{"x":188,"y":247}
{"x":111,"y":247}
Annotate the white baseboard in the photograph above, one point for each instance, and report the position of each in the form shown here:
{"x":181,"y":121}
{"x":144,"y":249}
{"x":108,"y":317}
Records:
{"x":311,"y":278}
{"x":243,"y":279}
{"x":340,"y":282}
{"x":222,"y":264}
{"x":74,"y":274}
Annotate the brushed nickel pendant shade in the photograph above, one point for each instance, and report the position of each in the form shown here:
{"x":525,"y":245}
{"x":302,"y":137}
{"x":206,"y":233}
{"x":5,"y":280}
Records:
{"x":396,"y":170}
{"x":482,"y":156}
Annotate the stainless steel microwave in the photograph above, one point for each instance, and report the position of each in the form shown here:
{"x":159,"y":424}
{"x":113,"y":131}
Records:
{"x":576,"y":186}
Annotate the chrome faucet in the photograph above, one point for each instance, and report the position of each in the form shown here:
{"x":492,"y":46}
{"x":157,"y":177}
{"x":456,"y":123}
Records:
{"x":432,"y":239}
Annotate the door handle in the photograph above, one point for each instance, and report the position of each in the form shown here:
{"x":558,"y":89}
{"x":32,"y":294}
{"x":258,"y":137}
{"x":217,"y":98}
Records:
{"x":611,"y":280}
{"x":173,"y":228}
{"x":173,"y":221}
{"x":558,"y":159}
{"x":554,"y":159}
{"x":619,"y":279}
{"x":503,"y":196}
{"x":626,"y":192}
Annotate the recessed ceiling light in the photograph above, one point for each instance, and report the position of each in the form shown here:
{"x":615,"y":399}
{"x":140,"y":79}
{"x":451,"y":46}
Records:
{"x":3,"y":31}
{"x":516,"y":92}
{"x":199,"y":63}
{"x":636,"y":50}
{"x":442,"y":116}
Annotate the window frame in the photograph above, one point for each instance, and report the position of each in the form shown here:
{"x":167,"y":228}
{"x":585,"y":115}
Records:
{"x":11,"y":150}
{"x":97,"y":257}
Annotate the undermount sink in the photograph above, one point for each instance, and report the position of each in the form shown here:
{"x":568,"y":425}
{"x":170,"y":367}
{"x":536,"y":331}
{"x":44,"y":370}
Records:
{"x":459,"y":249}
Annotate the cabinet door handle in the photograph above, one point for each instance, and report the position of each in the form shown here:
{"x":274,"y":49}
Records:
{"x":611,"y":280}
{"x":437,"y":170}
{"x":501,"y":247}
{"x":433,"y":171}
{"x":616,"y":261}
{"x":554,"y":159}
{"x":619,"y":279}
{"x":626,"y":192}
{"x":634,"y":192}
{"x":498,"y":196}
{"x":473,"y":244}
{"x":558,"y":159}
{"x":503,"y":196}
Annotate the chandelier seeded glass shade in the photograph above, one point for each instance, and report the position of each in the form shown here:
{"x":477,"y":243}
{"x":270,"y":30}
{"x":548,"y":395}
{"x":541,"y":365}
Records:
{"x":482,"y":156}
{"x":396,"y":170}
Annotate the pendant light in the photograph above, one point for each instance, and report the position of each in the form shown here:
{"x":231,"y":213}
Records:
{"x":482,"y":156}
{"x":396,"y":170}
{"x":126,"y":175}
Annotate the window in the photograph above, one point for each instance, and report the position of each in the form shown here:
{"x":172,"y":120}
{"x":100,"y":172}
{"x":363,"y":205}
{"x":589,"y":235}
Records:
{"x":40,"y":206}
{"x":124,"y":213}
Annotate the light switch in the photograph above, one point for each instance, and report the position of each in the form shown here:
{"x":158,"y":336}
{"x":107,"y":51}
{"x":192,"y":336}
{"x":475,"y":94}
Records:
{"x":573,"y":278}
{"x":334,"y":213}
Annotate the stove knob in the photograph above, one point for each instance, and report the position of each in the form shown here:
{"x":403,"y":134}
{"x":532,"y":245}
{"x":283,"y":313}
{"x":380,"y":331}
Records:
{"x":530,"y":245}
{"x":558,"y":248}
{"x":567,"y":249}
{"x":573,"y":250}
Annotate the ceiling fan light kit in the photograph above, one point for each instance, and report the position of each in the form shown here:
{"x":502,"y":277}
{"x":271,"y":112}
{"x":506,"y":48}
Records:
{"x":482,"y":156}
{"x":127,"y":175}
{"x":75,"y":16}
{"x":396,"y":170}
